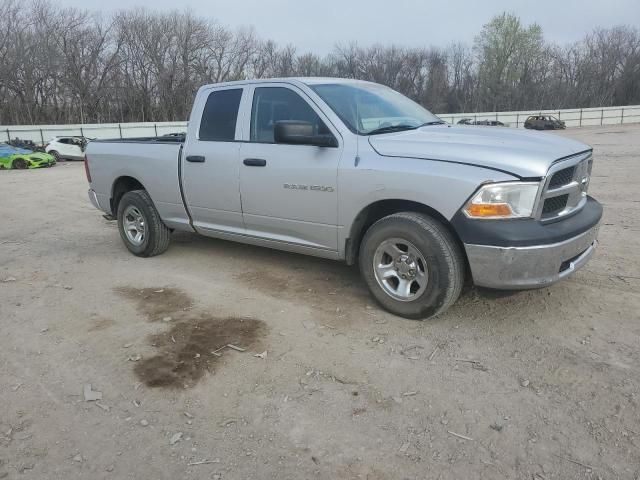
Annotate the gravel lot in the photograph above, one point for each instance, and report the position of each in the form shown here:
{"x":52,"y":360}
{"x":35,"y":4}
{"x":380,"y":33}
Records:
{"x":532,"y":385}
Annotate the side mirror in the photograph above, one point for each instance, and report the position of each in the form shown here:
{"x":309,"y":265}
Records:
{"x":296,"y":132}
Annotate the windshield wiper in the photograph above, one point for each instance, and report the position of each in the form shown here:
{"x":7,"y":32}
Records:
{"x":435,"y":122}
{"x":391,"y":128}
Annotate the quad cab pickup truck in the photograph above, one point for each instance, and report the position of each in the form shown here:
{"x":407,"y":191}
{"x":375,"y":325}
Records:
{"x":354,"y":171}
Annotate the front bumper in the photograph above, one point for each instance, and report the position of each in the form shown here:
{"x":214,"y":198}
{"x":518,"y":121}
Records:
{"x":530,"y":267}
{"x":527,"y":253}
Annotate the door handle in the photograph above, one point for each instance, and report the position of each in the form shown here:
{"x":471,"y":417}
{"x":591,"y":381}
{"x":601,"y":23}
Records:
{"x":255,"y":162}
{"x":195,"y":158}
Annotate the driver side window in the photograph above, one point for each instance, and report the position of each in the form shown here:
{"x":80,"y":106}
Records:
{"x":273,"y":104}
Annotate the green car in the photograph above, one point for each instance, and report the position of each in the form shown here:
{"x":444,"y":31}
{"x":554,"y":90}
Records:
{"x":12,"y":157}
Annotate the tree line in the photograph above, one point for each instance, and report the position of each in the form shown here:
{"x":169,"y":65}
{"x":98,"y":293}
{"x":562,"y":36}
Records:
{"x":68,"y":65}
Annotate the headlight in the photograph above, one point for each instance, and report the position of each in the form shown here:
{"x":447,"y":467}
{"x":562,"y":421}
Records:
{"x":503,"y":200}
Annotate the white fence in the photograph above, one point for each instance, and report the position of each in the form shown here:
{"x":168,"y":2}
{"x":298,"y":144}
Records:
{"x":582,"y":117}
{"x":573,"y":118}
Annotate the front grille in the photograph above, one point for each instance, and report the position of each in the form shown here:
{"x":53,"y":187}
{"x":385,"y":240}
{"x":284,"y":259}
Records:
{"x":554,"y":204}
{"x":565,"y":188}
{"x":563,"y":177}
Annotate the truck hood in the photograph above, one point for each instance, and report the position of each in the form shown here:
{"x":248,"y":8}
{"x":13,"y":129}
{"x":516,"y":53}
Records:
{"x":522,"y":153}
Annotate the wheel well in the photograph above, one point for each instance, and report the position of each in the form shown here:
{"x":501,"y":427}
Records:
{"x":121,"y":186}
{"x":374,"y":212}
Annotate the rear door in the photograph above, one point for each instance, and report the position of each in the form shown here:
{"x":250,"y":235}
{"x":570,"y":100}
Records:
{"x":289,"y":192}
{"x":210,"y":162}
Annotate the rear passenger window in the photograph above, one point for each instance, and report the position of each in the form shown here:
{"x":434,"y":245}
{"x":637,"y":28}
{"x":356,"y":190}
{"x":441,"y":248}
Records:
{"x":220,"y":115}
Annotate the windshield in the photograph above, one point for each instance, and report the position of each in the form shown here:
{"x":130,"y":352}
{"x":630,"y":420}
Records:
{"x":369,"y":108}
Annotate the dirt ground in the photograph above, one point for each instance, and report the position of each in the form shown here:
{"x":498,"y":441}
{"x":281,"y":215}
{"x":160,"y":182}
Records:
{"x":532,"y":385}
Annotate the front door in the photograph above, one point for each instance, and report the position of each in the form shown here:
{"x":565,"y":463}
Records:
{"x":210,"y":164}
{"x":289,"y":192}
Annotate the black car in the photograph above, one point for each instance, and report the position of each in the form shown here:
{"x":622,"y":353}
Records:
{"x":490,"y":123}
{"x":486,"y":123}
{"x":544,"y":122}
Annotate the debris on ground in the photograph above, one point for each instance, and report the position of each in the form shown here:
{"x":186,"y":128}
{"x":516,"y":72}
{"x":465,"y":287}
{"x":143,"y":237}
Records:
{"x":262,"y":355}
{"x":463,"y":437}
{"x":204,"y":462}
{"x":127,"y":345}
{"x":496,"y":426}
{"x":524,"y":383}
{"x":78,"y":458}
{"x":104,"y":407}
{"x":91,"y":395}
{"x":144,"y":423}
{"x":233,"y":347}
{"x":405,"y":352}
{"x":135,"y":358}
{"x":187,"y":414}
{"x":9,"y":279}
{"x":175,"y":438}
{"x":167,"y":319}
{"x":475,"y":364}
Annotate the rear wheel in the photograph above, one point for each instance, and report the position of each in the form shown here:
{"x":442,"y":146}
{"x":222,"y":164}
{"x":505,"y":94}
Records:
{"x":141,"y":228}
{"x":20,"y":163}
{"x":412,"y":265}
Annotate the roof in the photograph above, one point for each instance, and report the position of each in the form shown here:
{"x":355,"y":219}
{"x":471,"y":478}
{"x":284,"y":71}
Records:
{"x":291,"y":80}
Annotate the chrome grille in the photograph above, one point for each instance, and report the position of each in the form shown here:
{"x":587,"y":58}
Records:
{"x":554,"y":205}
{"x":565,"y":187}
{"x":563,"y":177}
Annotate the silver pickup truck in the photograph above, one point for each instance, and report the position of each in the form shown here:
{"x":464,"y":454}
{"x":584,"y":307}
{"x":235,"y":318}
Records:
{"x":354,"y":171}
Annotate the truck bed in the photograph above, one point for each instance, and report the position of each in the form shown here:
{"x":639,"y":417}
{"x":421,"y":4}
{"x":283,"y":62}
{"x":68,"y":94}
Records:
{"x":152,"y":161}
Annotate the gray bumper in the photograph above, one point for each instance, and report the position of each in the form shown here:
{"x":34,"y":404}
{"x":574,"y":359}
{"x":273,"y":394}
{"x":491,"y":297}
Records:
{"x":532,"y":266}
{"x":94,"y":199}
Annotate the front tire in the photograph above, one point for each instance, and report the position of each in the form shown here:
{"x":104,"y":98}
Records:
{"x":412,"y":265}
{"x":20,"y":164}
{"x":140,"y":226}
{"x":55,"y":155}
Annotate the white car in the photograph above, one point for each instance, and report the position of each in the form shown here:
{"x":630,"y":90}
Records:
{"x":66,"y":148}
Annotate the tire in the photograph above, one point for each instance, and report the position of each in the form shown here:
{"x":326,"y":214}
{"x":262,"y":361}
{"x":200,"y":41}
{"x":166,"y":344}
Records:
{"x":55,"y":155}
{"x":20,"y":164}
{"x":438,"y":274}
{"x":136,"y":208}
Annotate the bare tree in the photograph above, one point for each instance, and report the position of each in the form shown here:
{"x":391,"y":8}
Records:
{"x":140,"y":65}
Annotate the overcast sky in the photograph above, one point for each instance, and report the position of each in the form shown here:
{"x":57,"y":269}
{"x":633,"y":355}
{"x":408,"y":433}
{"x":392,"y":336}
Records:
{"x":318,"y":25}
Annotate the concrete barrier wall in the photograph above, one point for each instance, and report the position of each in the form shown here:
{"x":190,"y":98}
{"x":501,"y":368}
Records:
{"x":572,"y":117}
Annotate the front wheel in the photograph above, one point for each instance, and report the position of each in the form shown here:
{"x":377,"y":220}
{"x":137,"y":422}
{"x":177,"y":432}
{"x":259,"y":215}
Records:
{"x":412,"y":265}
{"x":140,"y":225}
{"x":20,"y":164}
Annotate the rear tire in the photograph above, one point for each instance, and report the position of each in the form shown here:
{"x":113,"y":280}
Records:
{"x":427,"y":257}
{"x":140,"y":226}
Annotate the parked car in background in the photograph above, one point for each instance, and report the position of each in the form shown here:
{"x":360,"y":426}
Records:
{"x":354,"y":171}
{"x":20,"y":158}
{"x":67,"y":148}
{"x":27,"y":144}
{"x":490,"y":123}
{"x":544,"y":122}
{"x":486,"y":123}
